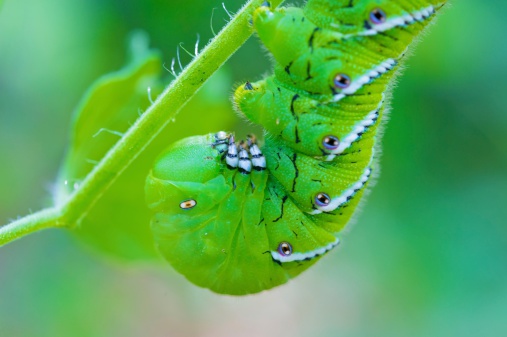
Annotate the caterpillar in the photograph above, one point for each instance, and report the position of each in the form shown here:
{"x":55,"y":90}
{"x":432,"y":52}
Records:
{"x":239,"y":218}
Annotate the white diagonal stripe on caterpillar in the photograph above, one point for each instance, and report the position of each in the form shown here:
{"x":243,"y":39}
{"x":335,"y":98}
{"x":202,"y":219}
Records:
{"x":365,"y":79}
{"x":360,"y":128}
{"x":346,"y":195}
{"x":400,"y":21}
{"x":304,"y":256}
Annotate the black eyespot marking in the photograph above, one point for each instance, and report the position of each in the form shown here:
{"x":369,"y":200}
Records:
{"x":188,"y":204}
{"x":285,"y":249}
{"x":378,"y":16}
{"x":331,"y":142}
{"x":341,"y":81}
{"x":248,"y":86}
{"x":322,"y":199}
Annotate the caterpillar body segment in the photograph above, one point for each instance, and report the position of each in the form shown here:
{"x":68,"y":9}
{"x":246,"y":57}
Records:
{"x":307,"y":123}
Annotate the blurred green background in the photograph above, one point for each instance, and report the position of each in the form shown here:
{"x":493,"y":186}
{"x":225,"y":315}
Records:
{"x":426,"y":257}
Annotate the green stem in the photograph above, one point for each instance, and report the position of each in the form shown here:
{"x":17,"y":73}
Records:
{"x":144,"y":130}
{"x":47,"y":218}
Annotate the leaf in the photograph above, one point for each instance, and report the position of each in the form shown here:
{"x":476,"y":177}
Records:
{"x":118,"y":224}
{"x":105,"y":111}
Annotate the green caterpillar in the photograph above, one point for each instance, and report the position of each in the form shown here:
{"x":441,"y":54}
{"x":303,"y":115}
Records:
{"x":238,"y":218}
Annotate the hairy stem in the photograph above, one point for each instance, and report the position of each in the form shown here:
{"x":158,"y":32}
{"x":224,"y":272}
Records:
{"x":144,"y":130}
{"x":47,"y":218}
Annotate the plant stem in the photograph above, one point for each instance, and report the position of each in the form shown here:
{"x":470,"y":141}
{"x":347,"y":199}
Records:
{"x":46,"y":218}
{"x":144,"y":130}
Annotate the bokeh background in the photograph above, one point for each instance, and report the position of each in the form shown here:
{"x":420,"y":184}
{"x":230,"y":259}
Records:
{"x":426,"y":257}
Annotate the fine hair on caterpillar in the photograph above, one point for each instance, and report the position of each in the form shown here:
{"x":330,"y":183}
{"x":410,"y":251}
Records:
{"x":239,"y":217}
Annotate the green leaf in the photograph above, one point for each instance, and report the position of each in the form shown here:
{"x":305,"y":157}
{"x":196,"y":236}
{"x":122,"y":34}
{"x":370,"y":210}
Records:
{"x":118,"y":224}
{"x":105,"y":111}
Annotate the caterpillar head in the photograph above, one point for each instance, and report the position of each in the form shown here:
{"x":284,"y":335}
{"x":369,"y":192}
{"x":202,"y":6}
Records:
{"x":186,"y":177}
